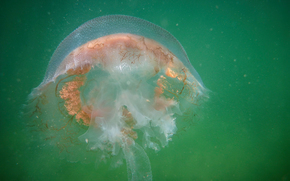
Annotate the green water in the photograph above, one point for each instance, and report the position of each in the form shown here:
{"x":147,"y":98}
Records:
{"x":239,"y":48}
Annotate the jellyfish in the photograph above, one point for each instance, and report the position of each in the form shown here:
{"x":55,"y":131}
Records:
{"x":114,"y":87}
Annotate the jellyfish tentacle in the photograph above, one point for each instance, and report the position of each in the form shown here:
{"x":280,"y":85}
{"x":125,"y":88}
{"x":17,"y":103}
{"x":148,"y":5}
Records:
{"x":138,"y":164}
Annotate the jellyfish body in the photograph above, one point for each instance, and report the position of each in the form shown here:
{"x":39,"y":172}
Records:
{"x":112,"y":81}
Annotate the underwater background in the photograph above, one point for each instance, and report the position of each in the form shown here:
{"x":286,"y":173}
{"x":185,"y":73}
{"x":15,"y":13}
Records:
{"x":239,"y":48}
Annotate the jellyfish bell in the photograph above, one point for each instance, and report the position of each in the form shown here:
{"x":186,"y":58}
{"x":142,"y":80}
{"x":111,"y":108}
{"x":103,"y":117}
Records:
{"x":113,"y":81}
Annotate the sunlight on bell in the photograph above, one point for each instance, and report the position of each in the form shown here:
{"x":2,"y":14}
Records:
{"x":114,"y":82}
